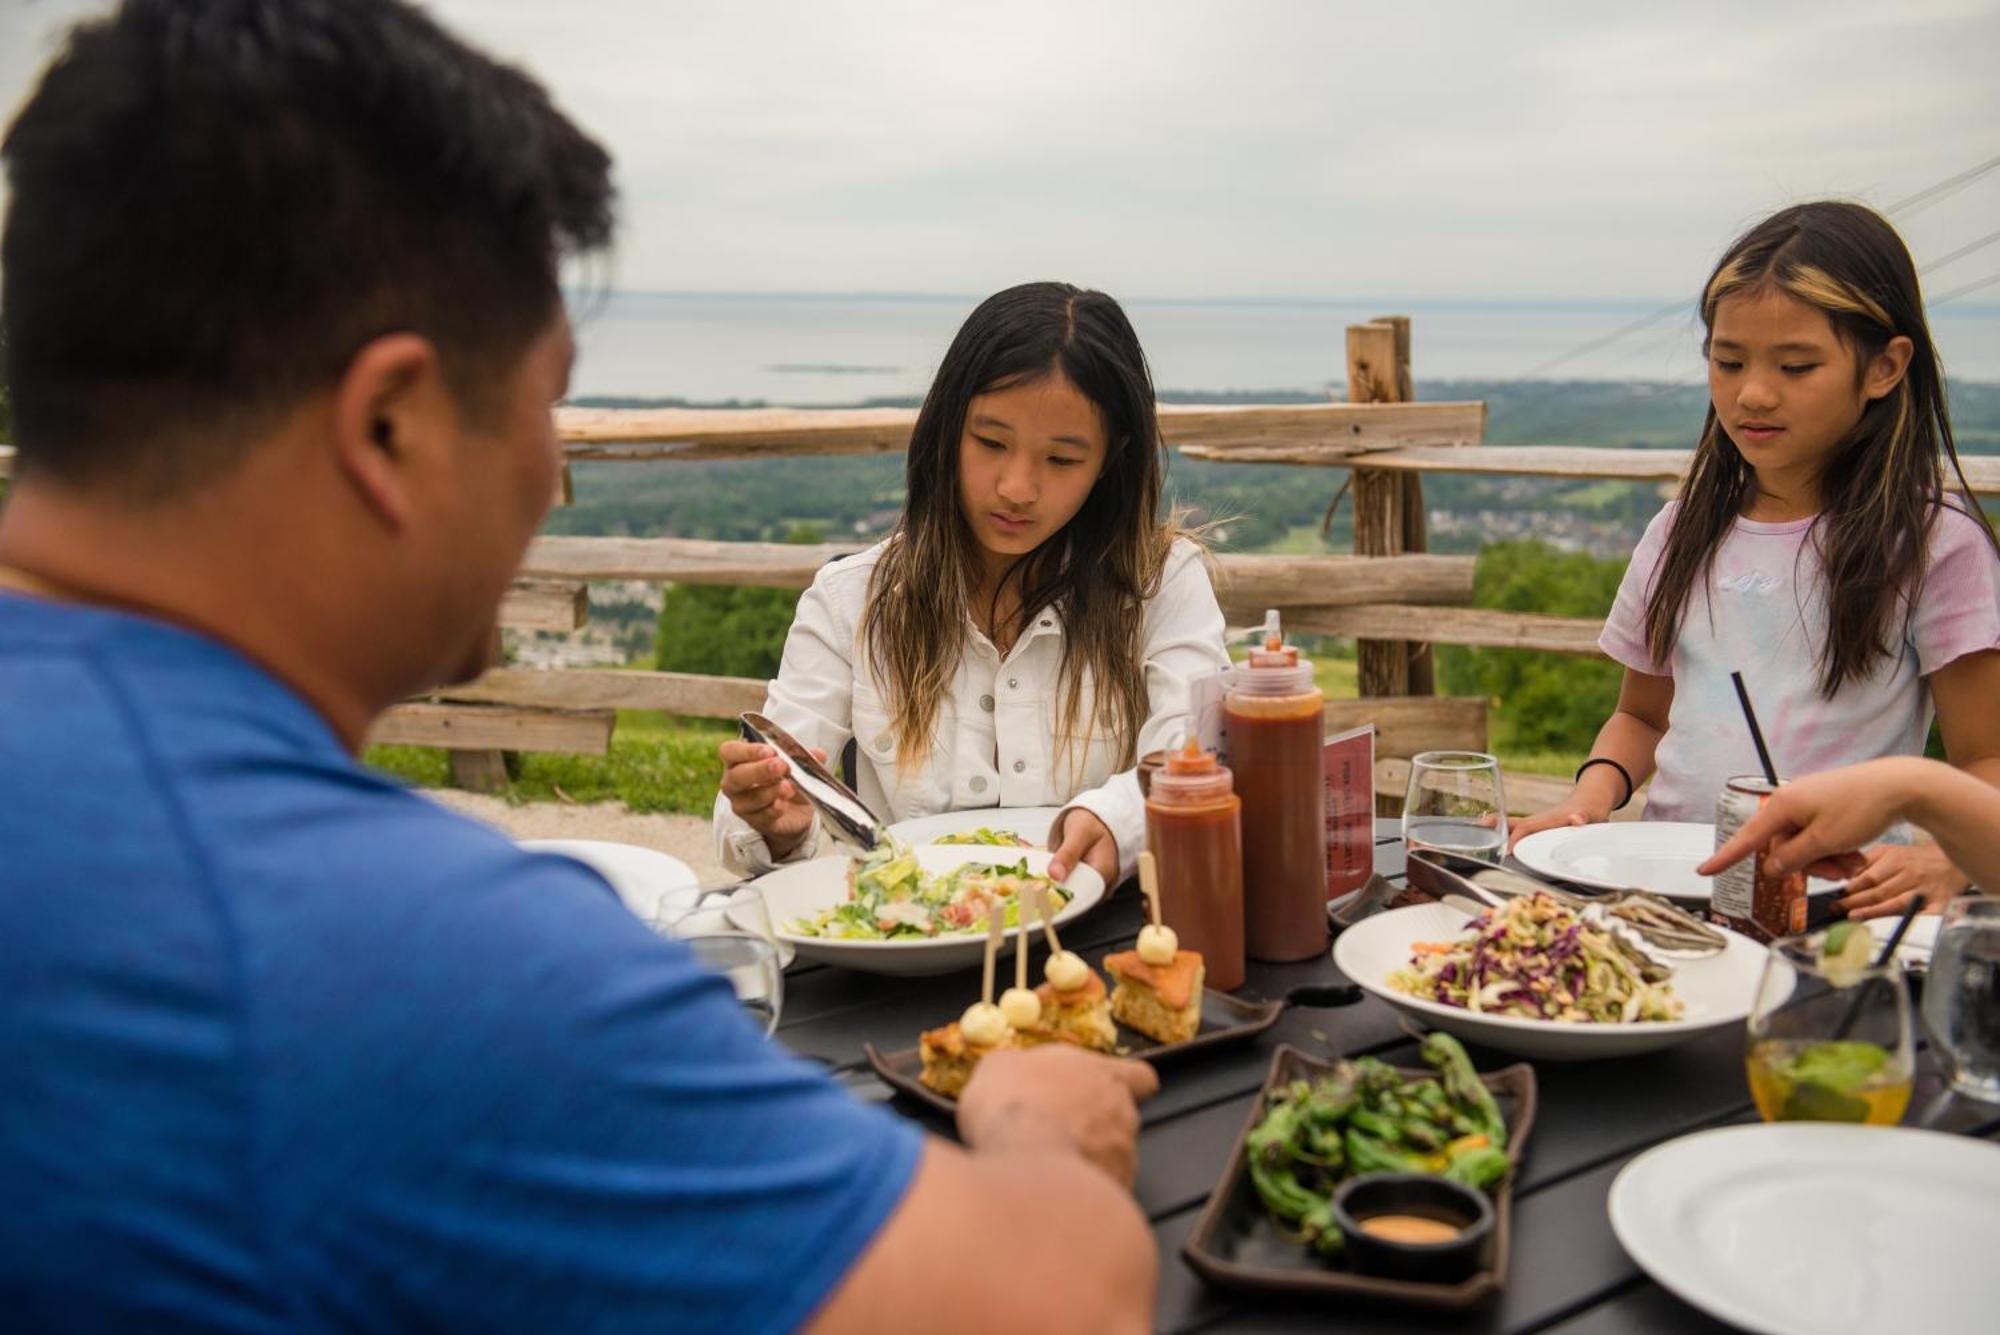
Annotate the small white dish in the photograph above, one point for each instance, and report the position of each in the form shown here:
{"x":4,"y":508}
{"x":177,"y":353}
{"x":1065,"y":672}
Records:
{"x":1818,"y":1227}
{"x":805,"y":888}
{"x":1031,"y":823}
{"x":643,"y":877}
{"x":1660,"y":856}
{"x":1918,"y":942}
{"x":1717,"y":991}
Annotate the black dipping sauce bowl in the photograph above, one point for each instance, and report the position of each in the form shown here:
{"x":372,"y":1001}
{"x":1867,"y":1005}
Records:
{"x":1464,"y":1208}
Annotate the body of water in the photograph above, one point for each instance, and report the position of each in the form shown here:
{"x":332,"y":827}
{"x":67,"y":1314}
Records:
{"x":793,"y":349}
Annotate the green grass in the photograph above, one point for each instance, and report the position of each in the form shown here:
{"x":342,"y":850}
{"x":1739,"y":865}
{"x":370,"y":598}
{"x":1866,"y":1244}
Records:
{"x":656,"y":763}
{"x":1299,"y":540}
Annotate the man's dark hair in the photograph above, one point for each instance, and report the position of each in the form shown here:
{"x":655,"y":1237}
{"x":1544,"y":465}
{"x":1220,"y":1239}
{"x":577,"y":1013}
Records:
{"x":216,"y":203}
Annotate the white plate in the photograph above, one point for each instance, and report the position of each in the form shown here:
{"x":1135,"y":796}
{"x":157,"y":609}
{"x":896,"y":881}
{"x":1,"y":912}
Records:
{"x":641,"y":876}
{"x":805,"y":888}
{"x":1818,"y":1227}
{"x":1031,"y":823}
{"x":1655,"y":855}
{"x":1717,"y":991}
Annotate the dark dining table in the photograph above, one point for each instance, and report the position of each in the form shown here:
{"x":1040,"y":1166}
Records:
{"x":1567,"y":1270}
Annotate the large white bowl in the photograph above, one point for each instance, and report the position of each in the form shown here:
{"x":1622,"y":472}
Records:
{"x":805,"y":888}
{"x":1717,"y":991}
{"x":1031,"y":823}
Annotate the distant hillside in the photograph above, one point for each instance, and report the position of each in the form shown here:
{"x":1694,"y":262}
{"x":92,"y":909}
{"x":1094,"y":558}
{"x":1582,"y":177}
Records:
{"x":1268,"y":507}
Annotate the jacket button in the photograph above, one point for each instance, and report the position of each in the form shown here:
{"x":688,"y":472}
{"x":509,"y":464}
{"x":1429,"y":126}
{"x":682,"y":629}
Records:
{"x":1013,"y":683}
{"x":978,"y":784}
{"x":986,"y":703}
{"x":1020,"y":765}
{"x":882,"y":741}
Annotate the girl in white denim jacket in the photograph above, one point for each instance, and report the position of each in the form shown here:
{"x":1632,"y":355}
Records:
{"x":1030,"y":628}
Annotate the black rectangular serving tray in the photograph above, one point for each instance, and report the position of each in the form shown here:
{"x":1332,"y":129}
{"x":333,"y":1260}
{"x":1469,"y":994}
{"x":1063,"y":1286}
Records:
{"x":1224,"y":1019}
{"x":1236,"y":1245}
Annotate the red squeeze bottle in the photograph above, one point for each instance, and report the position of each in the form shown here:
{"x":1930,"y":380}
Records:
{"x":1194,"y":830}
{"x":1276,"y":720}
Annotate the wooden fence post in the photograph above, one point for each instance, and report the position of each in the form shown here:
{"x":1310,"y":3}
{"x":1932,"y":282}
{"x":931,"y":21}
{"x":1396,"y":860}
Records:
{"x":1388,"y":507}
{"x":482,"y":771}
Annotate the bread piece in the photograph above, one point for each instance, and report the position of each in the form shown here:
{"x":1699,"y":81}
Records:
{"x":1081,"y":1016}
{"x":949,"y":1059}
{"x":1162,"y":1002}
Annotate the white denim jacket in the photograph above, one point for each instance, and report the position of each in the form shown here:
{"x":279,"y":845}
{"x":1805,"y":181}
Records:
{"x":996,"y":729}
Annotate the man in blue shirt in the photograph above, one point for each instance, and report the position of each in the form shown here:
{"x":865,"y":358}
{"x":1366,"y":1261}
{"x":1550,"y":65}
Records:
{"x":288,"y":1047}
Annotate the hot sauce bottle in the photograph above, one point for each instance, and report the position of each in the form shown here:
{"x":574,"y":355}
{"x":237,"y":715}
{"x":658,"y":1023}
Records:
{"x":1275,"y":715}
{"x":1194,"y":831}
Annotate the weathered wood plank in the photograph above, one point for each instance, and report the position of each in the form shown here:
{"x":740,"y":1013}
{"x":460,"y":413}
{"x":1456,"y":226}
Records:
{"x":1408,"y":724}
{"x":1388,"y":507}
{"x":1249,"y":584}
{"x":1556,"y":461}
{"x":545,"y":604}
{"x":728,"y":433}
{"x":604,"y":688}
{"x":468,"y":727}
{"x":1454,"y":625}
{"x":1525,"y":793}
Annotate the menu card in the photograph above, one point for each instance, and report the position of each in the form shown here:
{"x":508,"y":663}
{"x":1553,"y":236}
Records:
{"x":1350,"y":811}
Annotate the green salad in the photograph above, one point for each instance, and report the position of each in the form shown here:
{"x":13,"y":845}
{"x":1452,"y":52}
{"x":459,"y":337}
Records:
{"x":891,"y":898}
{"x":983,"y":835}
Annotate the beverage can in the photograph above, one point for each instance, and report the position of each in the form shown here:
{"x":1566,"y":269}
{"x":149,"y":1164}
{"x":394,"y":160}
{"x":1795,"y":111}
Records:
{"x":1749,"y":897}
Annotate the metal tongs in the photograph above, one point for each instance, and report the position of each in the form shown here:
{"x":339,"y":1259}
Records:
{"x":847,"y":817}
{"x":1657,"y":920}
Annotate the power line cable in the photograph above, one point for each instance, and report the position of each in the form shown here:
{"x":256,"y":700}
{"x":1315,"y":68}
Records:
{"x":1961,"y":252}
{"x":1923,"y":198}
{"x":1965,"y":291}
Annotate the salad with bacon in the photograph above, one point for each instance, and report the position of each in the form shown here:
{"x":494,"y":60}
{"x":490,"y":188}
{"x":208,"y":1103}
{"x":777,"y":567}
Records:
{"x":890,"y":897}
{"x":1537,"y":959}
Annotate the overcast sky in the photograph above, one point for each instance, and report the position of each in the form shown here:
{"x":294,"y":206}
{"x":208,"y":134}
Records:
{"x":1411,"y":151}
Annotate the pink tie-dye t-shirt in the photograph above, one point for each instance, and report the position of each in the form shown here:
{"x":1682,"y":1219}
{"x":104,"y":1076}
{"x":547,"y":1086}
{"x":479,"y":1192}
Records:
{"x":1763,"y":613}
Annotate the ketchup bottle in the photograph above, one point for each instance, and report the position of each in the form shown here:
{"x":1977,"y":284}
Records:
{"x":1276,"y":731}
{"x":1194,"y":829}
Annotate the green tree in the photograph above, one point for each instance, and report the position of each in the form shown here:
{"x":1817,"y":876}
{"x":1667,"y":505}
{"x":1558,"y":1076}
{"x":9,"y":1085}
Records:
{"x":1543,"y":702}
{"x":728,"y":630}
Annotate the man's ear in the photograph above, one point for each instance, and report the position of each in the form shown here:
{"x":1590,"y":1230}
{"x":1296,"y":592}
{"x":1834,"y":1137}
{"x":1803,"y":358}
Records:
{"x":1888,"y":367}
{"x":390,"y":412}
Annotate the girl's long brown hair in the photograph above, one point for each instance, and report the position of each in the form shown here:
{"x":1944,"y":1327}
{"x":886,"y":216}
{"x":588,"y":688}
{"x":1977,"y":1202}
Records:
{"x":1882,"y":486}
{"x":1097,"y":572}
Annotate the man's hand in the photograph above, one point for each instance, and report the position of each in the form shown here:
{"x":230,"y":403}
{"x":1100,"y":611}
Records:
{"x":753,"y":779}
{"x":1085,"y":838}
{"x":1062,"y":1099}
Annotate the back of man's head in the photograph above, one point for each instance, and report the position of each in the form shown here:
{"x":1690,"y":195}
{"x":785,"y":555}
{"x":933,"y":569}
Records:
{"x":216,"y":203}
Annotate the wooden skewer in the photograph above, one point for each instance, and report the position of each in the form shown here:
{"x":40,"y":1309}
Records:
{"x":1149,"y":882}
{"x":994,"y":919}
{"x":1048,"y":920}
{"x":1021,"y":939}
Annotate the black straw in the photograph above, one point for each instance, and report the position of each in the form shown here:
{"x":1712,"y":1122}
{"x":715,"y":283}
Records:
{"x":1756,"y":733}
{"x":1888,"y":952}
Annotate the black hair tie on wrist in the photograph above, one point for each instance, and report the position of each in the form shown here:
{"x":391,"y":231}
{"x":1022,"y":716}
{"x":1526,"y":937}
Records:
{"x":1623,"y":773}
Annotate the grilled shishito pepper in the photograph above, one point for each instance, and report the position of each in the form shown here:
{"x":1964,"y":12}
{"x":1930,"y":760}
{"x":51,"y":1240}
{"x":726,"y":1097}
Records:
{"x":1464,"y":1085}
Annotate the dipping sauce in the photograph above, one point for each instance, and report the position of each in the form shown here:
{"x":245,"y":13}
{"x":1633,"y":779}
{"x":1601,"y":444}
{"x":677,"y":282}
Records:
{"x":1409,"y":1228}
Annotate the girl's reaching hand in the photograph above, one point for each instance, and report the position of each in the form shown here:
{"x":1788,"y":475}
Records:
{"x":753,"y":779}
{"x":1572,"y":810}
{"x":1894,"y":874}
{"x":1086,"y":839}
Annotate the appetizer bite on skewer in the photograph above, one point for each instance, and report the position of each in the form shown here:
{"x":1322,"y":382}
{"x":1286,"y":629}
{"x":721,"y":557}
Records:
{"x":951,"y":1053}
{"x":1157,"y":988}
{"x":1075,"y":1007}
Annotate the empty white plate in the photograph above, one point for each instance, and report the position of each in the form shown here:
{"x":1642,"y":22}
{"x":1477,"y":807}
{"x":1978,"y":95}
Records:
{"x":641,"y":876}
{"x":1818,"y":1227}
{"x":1660,"y":856}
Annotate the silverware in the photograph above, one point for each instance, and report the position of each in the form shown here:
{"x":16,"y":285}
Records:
{"x":846,"y":816}
{"x":1657,"y":920}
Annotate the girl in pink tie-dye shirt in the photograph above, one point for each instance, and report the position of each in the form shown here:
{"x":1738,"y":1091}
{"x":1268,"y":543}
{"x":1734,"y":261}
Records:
{"x":1813,"y":547}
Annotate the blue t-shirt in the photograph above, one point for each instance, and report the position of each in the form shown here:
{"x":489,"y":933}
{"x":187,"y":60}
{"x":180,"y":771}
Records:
{"x":288,"y":1047}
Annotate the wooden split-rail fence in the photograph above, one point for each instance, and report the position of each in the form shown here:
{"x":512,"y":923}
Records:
{"x":1390,"y":595}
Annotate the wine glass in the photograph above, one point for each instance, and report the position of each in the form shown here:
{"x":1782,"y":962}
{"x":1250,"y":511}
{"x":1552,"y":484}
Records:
{"x":730,"y":932}
{"x":1455,"y":804}
{"x":1962,"y":995}
{"x":1829,"y":1036}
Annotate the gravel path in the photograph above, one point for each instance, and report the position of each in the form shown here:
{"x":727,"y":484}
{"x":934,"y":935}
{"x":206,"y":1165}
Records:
{"x":686,"y":837}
